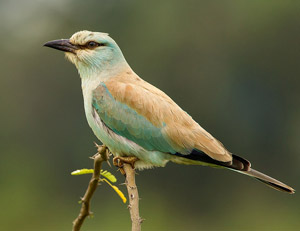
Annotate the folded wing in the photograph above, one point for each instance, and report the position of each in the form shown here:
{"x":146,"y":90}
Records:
{"x":145,"y":115}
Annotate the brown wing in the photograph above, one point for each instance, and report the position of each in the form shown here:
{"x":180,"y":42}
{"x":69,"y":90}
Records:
{"x":185,"y":134}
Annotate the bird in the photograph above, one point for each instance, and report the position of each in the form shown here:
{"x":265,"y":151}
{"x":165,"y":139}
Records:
{"x":136,"y":120}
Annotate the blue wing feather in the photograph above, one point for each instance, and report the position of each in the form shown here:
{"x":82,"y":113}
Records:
{"x":126,"y":122}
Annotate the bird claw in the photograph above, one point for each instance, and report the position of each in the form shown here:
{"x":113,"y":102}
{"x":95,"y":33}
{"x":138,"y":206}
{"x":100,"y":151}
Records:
{"x":119,"y":161}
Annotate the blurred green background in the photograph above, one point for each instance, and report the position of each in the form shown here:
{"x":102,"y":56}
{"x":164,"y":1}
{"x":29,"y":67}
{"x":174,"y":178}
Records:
{"x":233,"y":65}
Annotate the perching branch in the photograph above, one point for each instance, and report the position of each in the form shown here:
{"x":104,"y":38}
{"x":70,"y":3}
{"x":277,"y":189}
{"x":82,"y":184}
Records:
{"x":133,"y":195}
{"x":102,"y":155}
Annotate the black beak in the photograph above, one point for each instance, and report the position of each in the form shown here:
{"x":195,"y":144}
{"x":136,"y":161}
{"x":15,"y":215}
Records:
{"x":62,"y":45}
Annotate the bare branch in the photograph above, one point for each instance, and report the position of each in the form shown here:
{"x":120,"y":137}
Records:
{"x":133,"y":195}
{"x":102,"y":155}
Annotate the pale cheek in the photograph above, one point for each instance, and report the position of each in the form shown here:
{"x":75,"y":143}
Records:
{"x":85,"y":56}
{"x":71,"y":57}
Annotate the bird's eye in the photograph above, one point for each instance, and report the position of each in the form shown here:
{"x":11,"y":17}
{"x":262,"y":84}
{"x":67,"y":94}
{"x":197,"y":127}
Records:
{"x":92,"y":45}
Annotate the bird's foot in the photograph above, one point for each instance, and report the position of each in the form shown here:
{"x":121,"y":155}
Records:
{"x":120,"y":160}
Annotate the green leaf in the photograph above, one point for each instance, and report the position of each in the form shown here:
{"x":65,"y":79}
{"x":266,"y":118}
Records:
{"x":108,"y":175}
{"x":82,"y":171}
{"x":104,"y":173}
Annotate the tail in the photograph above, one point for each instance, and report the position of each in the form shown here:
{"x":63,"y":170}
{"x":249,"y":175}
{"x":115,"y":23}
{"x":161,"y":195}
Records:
{"x":273,"y":183}
{"x":237,"y":164}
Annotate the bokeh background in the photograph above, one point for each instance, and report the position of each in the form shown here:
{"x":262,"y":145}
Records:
{"x":233,"y":65}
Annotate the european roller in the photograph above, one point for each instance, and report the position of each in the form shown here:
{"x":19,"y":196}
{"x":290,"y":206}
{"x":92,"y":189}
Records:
{"x":135,"y":119}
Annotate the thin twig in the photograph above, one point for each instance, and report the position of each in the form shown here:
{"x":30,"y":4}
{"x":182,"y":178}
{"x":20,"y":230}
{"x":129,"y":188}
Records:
{"x":102,"y":155}
{"x":133,"y":195}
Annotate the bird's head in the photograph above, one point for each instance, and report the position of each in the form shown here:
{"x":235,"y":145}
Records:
{"x":91,"y":52}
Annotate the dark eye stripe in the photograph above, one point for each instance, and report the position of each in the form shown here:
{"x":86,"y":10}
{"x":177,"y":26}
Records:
{"x":93,"y":44}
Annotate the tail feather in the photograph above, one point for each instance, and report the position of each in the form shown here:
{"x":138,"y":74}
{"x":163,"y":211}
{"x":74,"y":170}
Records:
{"x":273,"y":183}
{"x":237,"y":164}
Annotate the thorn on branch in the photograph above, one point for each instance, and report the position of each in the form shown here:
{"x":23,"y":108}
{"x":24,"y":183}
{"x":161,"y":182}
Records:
{"x":98,"y":158}
{"x":141,"y":220}
{"x":133,"y":205}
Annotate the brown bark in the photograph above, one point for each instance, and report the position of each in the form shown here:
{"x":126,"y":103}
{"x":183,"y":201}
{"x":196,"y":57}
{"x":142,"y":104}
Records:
{"x":102,"y":155}
{"x":133,"y":195}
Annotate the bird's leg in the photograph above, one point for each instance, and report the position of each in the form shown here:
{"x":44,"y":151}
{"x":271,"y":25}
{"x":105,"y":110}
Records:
{"x":120,"y":160}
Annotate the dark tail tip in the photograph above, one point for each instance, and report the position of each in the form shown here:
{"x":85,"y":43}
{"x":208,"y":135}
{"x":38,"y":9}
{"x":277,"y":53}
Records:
{"x":282,"y":187}
{"x":273,"y":183}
